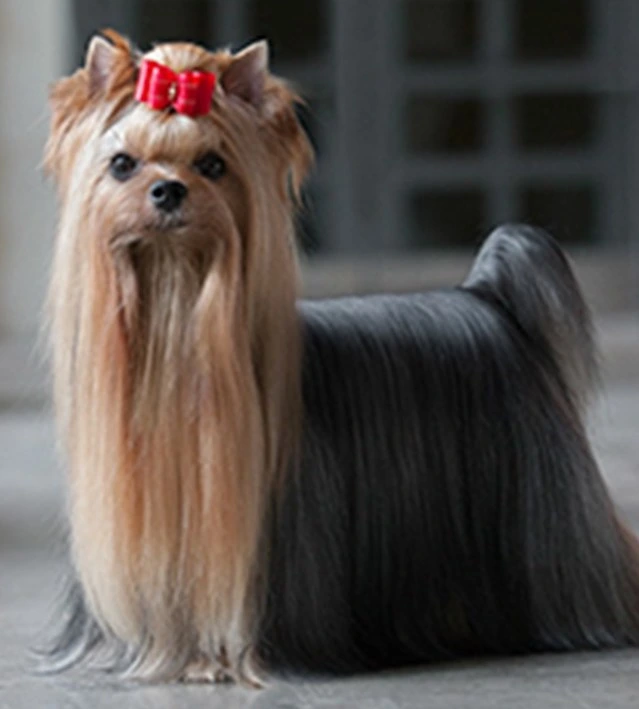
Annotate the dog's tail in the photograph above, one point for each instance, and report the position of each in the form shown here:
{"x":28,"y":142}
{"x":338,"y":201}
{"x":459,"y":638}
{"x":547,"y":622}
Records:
{"x":525,"y":271}
{"x":582,"y":561}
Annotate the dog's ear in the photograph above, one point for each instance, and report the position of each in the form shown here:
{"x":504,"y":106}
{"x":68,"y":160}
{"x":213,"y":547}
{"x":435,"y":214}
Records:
{"x":110,"y":62}
{"x":247,"y":77}
{"x":110,"y":65}
{"x":99,"y":64}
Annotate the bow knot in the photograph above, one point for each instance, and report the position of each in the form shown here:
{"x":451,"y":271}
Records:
{"x":189,"y":92}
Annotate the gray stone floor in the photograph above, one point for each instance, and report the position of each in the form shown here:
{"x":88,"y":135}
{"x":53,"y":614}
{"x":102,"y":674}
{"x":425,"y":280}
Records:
{"x":30,"y":567}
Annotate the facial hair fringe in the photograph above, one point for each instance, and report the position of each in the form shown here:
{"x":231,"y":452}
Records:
{"x":176,"y":432}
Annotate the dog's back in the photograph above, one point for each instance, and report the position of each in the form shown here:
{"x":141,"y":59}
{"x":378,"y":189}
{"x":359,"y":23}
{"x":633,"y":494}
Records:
{"x":447,"y":501}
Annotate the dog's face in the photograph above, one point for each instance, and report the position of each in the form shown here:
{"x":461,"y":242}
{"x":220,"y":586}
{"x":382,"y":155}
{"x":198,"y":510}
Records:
{"x":140,"y":176}
{"x":162,"y":178}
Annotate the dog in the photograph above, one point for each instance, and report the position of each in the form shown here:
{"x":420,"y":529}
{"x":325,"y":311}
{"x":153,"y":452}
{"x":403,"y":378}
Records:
{"x":262,"y":484}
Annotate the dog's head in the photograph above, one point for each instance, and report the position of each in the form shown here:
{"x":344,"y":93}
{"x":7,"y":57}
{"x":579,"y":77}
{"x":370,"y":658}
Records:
{"x":133,"y":173}
{"x":179,"y":209}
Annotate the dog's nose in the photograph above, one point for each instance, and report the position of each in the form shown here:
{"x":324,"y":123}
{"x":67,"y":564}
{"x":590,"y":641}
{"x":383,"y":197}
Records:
{"x":168,"y":195}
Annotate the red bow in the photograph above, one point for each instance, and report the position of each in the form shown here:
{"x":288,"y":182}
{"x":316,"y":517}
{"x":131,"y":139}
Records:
{"x":189,"y":92}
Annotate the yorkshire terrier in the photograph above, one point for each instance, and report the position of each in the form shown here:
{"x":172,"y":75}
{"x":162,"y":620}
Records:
{"x":261,"y":483}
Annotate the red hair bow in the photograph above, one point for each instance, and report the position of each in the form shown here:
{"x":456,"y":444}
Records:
{"x":189,"y":92}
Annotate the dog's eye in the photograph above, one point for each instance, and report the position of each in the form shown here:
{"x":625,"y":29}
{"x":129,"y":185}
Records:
{"x":122,"y":166}
{"x":210,"y":166}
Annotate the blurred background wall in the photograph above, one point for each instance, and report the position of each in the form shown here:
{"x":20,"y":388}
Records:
{"x":434,"y":120}
{"x":34,"y":49}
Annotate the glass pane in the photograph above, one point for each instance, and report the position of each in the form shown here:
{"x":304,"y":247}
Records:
{"x":166,"y":20}
{"x":440,"y":30}
{"x":439,"y":124}
{"x":569,"y":212}
{"x":555,"y":121}
{"x":446,"y":217}
{"x":296,"y":30}
{"x":553,"y":29}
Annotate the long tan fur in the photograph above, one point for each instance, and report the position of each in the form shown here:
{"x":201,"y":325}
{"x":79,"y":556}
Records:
{"x":176,"y":358}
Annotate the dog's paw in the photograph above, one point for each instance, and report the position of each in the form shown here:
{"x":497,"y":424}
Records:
{"x":205,"y":671}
